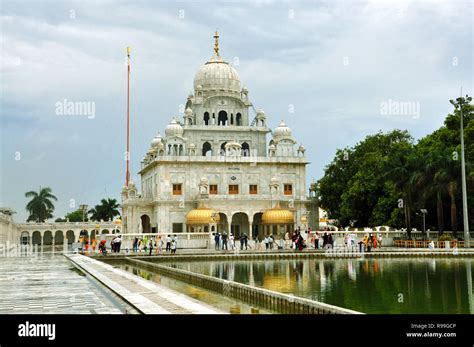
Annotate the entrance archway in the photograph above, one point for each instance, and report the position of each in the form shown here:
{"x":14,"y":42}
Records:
{"x":58,"y":237}
{"x":84,"y":234}
{"x":47,"y":238}
{"x":240,"y":224}
{"x":70,"y":237}
{"x":25,"y":238}
{"x":36,"y":238}
{"x":146,"y":228}
{"x":223,"y":224}
{"x":257,"y":225}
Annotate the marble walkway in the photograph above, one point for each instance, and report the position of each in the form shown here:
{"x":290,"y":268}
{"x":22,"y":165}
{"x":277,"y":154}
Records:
{"x":50,"y":284}
{"x":147,"y":297}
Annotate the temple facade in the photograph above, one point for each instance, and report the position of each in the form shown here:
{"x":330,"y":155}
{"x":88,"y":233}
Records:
{"x":219,"y":167}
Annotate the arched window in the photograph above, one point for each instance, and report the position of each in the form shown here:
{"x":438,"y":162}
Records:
{"x":238,"y":119}
{"x":206,"y":149}
{"x":223,"y":148}
{"x":206,"y":118}
{"x":245,"y":150}
{"x":222,"y":118}
{"x":231,"y":119}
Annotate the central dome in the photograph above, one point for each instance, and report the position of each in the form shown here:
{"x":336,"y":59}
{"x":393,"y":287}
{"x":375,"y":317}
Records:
{"x":217,"y":74}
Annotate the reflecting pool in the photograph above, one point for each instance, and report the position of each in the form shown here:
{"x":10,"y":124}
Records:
{"x":389,"y":285}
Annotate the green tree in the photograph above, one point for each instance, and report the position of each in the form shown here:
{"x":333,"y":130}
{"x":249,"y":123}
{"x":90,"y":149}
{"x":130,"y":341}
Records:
{"x":40,"y":207}
{"x":106,"y":210}
{"x":353,"y":188}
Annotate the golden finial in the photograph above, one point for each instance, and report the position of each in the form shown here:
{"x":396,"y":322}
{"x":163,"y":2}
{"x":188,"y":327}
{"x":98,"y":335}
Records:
{"x":216,"y":43}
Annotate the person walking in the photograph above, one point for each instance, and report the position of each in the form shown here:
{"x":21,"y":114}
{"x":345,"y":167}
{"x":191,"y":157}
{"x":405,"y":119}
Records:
{"x":150,"y":245}
{"x":270,"y":241}
{"x":160,"y":244}
{"x":135,"y":245}
{"x":231,"y":241}
{"x":316,"y":240}
{"x":173,"y":246}
{"x":168,"y":243}
{"x":224,"y":241}
{"x":217,"y":240}
{"x":379,"y":239}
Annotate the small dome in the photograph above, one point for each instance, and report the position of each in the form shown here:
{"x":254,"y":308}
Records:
{"x":282,"y":131}
{"x":174,"y":129}
{"x":244,"y":90}
{"x":156,"y":140}
{"x":260,"y":114}
{"x":188,"y":112}
{"x":191,"y":146}
{"x":202,"y":216}
{"x":272,"y":147}
{"x":131,"y":185}
{"x":301,"y":148}
{"x":277,"y":215}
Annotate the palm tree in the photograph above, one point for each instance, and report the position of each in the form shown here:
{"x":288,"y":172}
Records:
{"x":448,"y":177}
{"x":106,"y":210}
{"x":435,"y":184}
{"x":401,"y":170}
{"x":40,"y":207}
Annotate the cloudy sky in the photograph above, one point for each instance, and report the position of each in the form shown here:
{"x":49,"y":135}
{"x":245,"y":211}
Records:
{"x":329,"y":69}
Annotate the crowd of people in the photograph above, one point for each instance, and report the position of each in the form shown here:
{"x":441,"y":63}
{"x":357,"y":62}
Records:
{"x":223,"y":241}
{"x":148,"y":244}
{"x":324,"y":239}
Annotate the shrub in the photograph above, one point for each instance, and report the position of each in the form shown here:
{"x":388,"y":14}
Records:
{"x":445,"y":237}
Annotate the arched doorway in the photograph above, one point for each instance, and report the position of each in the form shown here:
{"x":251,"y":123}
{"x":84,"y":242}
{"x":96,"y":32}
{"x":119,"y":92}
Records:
{"x":240,"y":224}
{"x":58,"y":237}
{"x":206,"y":149}
{"x":36,"y":238}
{"x":70,"y":237}
{"x":222,"y":118}
{"x":25,"y":238}
{"x":222,"y":152}
{"x":223,"y":223}
{"x":146,"y":228}
{"x":245,"y":150}
{"x":47,"y":238}
{"x":238,"y":119}
{"x":83,"y":235}
{"x":257,"y":225}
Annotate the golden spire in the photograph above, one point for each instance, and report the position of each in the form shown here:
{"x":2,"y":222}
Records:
{"x":216,"y":43}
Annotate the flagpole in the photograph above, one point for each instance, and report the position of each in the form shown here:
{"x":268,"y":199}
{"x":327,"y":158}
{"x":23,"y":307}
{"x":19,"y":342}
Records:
{"x":127,"y":155}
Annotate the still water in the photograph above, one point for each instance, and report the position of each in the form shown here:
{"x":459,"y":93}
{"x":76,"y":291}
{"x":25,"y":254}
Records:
{"x":367,"y":285}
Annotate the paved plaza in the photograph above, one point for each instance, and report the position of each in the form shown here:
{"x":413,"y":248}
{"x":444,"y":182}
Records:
{"x":50,"y":284}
